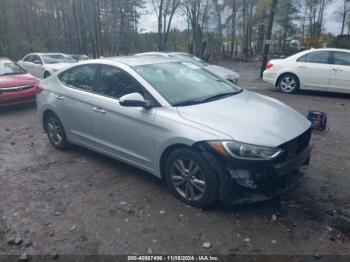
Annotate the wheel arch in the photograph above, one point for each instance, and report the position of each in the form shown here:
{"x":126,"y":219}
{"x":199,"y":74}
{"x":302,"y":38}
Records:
{"x":45,"y":114}
{"x":287,"y":73}
{"x":166,"y":153}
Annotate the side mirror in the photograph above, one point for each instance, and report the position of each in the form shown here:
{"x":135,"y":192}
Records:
{"x":37,"y":62}
{"x":134,"y":100}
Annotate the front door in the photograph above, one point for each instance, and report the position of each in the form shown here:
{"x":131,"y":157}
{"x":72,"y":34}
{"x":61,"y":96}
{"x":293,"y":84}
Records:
{"x":340,"y":78}
{"x":314,"y":70}
{"x":125,"y":132}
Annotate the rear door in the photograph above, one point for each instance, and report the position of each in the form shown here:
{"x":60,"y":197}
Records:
{"x":314,"y":70}
{"x":340,"y":72}
{"x":74,"y":102}
{"x":125,"y":132}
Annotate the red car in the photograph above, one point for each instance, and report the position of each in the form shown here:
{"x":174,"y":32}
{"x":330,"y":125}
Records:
{"x":17,"y":86}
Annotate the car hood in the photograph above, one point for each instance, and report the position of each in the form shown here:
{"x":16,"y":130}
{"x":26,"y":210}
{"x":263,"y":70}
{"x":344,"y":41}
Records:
{"x":250,"y":118}
{"x":17,"y":80}
{"x":223,"y":72}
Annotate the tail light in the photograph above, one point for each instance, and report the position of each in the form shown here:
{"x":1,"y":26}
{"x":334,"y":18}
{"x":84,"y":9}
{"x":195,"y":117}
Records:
{"x":39,"y":89}
{"x":269,"y":65}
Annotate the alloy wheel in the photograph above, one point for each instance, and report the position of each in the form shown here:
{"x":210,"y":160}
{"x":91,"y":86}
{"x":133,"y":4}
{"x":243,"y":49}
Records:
{"x":188,"y":179}
{"x":54,"y":131}
{"x":288,"y":84}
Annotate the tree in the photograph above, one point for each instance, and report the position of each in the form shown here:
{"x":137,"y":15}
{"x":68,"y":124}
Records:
{"x":286,"y":15}
{"x":345,"y":13}
{"x":268,"y":36}
{"x":197,"y":17}
{"x":165,"y":10}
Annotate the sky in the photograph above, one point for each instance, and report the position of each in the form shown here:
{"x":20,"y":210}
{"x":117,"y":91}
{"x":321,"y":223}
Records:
{"x":148,"y":21}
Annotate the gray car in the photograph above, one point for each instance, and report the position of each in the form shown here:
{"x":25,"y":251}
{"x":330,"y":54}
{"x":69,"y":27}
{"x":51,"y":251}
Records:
{"x":209,"y":139}
{"x":223,"y":72}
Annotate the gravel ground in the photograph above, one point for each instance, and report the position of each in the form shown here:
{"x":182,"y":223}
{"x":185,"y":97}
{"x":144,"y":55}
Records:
{"x":80,"y":202}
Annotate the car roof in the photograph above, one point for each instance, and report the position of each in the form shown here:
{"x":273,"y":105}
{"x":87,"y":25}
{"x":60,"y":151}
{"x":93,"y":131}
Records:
{"x":46,"y":54}
{"x":5,"y":59}
{"x":139,"y":60}
{"x":329,"y":49}
{"x":164,"y":53}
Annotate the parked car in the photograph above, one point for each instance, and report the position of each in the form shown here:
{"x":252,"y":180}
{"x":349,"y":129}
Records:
{"x":326,"y":69}
{"x":79,"y":57}
{"x":16,"y":85}
{"x":223,"y":72}
{"x":209,"y":139}
{"x":42,"y":65}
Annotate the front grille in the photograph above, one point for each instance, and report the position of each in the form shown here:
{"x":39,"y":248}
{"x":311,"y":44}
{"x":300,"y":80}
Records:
{"x":17,"y":88}
{"x":294,"y":147}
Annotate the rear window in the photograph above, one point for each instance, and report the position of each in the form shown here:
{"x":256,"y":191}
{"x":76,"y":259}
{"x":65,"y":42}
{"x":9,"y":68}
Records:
{"x":81,"y":77}
{"x":318,"y":57}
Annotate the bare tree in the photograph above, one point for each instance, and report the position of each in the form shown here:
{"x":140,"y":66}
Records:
{"x":345,"y":12}
{"x":197,"y":16}
{"x":268,"y":36}
{"x":165,"y":10}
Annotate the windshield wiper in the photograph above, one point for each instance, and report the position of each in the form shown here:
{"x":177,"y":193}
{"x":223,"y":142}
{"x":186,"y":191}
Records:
{"x":207,"y":99}
{"x":189,"y":102}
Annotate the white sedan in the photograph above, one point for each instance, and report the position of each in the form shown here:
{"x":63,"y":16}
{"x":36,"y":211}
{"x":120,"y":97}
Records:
{"x":42,"y":65}
{"x":222,"y":72}
{"x":326,"y":69}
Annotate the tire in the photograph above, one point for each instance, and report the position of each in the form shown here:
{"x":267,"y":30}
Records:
{"x":55,"y":132}
{"x":288,"y":83}
{"x":47,"y":74}
{"x":199,"y":188}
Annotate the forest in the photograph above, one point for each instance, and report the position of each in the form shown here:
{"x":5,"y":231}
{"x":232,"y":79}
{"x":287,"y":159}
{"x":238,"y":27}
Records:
{"x":214,"y":28}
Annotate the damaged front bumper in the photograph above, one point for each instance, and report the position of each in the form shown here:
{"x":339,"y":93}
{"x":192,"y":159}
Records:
{"x":248,"y":181}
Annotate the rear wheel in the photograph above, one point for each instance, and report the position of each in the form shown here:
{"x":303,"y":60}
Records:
{"x":288,"y":83}
{"x":55,"y":132}
{"x":191,"y":179}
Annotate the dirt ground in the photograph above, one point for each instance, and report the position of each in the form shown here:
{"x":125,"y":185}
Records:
{"x":80,"y":202}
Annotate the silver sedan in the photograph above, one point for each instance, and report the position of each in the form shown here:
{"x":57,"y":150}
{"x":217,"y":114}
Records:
{"x":209,"y":139}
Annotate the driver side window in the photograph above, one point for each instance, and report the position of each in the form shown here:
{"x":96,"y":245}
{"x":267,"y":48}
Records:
{"x":28,"y":58}
{"x":116,"y":83}
{"x":36,"y":60}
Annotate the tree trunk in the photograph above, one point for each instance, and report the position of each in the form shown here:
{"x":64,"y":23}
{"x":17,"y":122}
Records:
{"x":268,"y":37}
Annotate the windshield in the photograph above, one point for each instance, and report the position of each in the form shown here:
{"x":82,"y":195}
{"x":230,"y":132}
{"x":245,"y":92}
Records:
{"x":10,"y":68}
{"x":185,"y":83}
{"x":55,"y":59}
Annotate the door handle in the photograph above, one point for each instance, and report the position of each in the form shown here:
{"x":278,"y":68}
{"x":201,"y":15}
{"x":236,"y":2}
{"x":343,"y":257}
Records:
{"x":99,"y":110}
{"x":337,"y":69}
{"x":59,"y":97}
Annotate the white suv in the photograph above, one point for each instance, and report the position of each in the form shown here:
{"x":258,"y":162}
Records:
{"x":326,"y":69}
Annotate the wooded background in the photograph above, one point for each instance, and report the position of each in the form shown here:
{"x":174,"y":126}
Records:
{"x":215,"y":28}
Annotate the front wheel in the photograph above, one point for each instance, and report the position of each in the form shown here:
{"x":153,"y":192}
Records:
{"x":288,"y":83}
{"x":191,"y":179}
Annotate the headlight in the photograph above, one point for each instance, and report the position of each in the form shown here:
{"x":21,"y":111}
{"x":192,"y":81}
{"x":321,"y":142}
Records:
{"x":245,"y":151}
